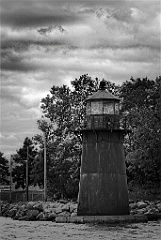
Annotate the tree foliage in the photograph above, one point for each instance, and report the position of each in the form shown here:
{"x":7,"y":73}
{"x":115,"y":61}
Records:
{"x":141,"y":102}
{"x":19,"y":171}
{"x":4,"y":169}
{"x":63,"y":116}
{"x":64,"y":111}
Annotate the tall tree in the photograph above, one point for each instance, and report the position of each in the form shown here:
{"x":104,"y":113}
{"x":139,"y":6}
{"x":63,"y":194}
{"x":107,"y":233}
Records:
{"x":4,"y":169}
{"x":19,"y":172}
{"x":65,"y":109}
{"x":141,"y":99}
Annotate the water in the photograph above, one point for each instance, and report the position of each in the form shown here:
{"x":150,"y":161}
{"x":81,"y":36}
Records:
{"x":24,"y":230}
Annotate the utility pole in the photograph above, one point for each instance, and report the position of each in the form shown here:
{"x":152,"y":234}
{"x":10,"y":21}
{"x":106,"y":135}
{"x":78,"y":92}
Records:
{"x":45,"y":185}
{"x":11,"y":160}
{"x":27,"y":174}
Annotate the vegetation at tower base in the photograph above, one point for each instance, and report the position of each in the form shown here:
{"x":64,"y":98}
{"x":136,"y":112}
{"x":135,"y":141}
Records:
{"x":4,"y":170}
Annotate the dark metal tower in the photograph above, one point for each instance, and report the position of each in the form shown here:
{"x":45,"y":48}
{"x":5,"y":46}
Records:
{"x":103,"y":185}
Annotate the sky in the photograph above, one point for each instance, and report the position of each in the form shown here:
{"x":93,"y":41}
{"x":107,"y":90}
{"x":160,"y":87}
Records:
{"x":46,"y":43}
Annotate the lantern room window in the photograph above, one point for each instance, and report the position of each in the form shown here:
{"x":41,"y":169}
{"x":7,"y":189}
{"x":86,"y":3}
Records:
{"x":108,"y":108}
{"x":116,"y":108}
{"x":102,"y":107}
{"x":96,"y":107}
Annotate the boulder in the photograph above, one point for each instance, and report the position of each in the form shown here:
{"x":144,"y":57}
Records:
{"x":141,"y":204}
{"x":73,"y":214}
{"x":23,"y":218}
{"x":30,"y":205}
{"x":22,"y":207}
{"x":58,"y":210}
{"x":133,"y":205}
{"x":66,"y":207}
{"x":35,"y":213}
{"x":158,"y":205}
{"x":73,"y":207}
{"x":51,"y":217}
{"x":12,"y":212}
{"x":152,"y":203}
{"x":5,"y":209}
{"x":18,"y":215}
{"x":38,"y":207}
{"x":64,"y":214}
{"x":40,"y":216}
{"x":153,"y":211}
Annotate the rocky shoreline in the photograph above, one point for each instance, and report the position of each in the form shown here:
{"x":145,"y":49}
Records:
{"x":48,"y":211}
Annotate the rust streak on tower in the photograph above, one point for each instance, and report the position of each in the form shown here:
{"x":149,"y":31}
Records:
{"x":103,"y":184}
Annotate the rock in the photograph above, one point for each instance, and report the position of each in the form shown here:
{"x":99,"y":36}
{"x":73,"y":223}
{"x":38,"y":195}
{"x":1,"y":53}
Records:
{"x":58,"y":210}
{"x":35,"y":213}
{"x":18,"y":215}
{"x":73,"y":207}
{"x":158,"y":205}
{"x":53,"y":205}
{"x":140,"y":211}
{"x":133,"y":212}
{"x":48,"y":210}
{"x":38,"y":207}
{"x":40,"y":216}
{"x":64,"y":214}
{"x":51,"y":217}
{"x":22,"y":207}
{"x":141,"y":204}
{"x":6,"y":213}
{"x":131,"y":201}
{"x":73,"y":214}
{"x":23,"y":218}
{"x":5,"y":209}
{"x":133,"y":205}
{"x":30,"y":205}
{"x":31,"y":214}
{"x":152,"y":203}
{"x":66,"y":207}
{"x":12,"y":212}
{"x":153,"y":211}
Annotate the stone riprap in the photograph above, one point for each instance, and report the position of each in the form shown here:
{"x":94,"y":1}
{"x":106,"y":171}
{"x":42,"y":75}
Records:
{"x":49,"y":211}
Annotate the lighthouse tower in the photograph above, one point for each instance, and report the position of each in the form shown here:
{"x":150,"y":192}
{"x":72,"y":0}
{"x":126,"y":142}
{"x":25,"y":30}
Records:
{"x":103,"y":184}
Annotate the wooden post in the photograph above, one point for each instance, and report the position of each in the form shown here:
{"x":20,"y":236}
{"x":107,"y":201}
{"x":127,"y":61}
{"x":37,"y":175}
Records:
{"x":27,"y":174}
{"x":11,"y":159}
{"x":45,"y":187}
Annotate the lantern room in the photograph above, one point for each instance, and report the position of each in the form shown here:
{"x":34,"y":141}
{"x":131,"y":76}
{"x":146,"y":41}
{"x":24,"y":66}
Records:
{"x":102,"y":110}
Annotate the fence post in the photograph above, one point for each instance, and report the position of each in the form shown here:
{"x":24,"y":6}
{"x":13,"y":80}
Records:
{"x":11,"y":158}
{"x":27,"y":174}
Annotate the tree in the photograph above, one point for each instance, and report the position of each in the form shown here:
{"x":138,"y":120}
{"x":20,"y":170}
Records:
{"x":65,"y":110}
{"x":141,"y":99}
{"x":4,"y":169}
{"x":19,"y":172}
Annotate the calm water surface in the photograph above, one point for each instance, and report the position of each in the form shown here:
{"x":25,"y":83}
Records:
{"x":23,"y":230}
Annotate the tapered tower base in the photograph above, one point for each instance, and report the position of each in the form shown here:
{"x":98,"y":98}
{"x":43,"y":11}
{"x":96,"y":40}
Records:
{"x":103,"y":186}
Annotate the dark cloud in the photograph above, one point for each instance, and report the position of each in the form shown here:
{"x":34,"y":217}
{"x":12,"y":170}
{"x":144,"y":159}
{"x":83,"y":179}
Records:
{"x":15,"y":62}
{"x":46,"y":30}
{"x":23,"y":45}
{"x":34,"y":13}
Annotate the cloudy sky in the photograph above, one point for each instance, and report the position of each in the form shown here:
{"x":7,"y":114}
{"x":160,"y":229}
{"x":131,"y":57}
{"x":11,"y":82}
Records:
{"x":46,"y":43}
